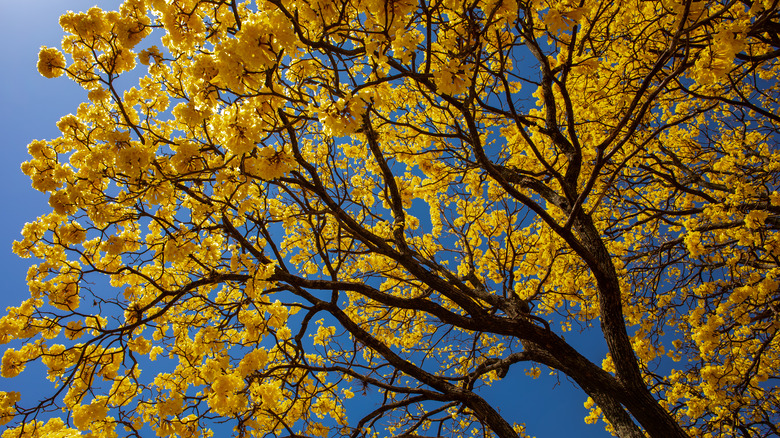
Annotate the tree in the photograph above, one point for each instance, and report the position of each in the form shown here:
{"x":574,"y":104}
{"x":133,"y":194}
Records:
{"x":303,"y":200}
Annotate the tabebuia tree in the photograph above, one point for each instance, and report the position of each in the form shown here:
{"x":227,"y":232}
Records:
{"x":265,"y":209}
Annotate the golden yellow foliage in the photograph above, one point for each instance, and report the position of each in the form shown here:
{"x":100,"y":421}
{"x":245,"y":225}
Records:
{"x":298,"y":202}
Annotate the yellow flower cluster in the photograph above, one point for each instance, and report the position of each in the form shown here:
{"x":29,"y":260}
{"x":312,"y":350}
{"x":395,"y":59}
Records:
{"x":7,"y":402}
{"x":51,"y":62}
{"x":342,"y":117}
{"x":53,"y":428}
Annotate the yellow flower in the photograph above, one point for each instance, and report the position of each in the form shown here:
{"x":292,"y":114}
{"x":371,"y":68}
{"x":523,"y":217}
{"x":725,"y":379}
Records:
{"x":85,"y":415}
{"x":51,"y":63}
{"x":7,"y":402}
{"x":755,"y":219}
{"x":74,"y":329}
{"x":139,"y":345}
{"x":13,"y":363}
{"x":323,"y":334}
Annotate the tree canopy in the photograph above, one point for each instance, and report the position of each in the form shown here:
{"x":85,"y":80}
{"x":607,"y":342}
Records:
{"x":265,"y":208}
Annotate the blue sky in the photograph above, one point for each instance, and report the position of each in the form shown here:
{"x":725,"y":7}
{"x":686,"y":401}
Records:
{"x":30,"y":105}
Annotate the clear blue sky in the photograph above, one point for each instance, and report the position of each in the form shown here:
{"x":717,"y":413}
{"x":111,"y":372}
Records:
{"x":30,"y":105}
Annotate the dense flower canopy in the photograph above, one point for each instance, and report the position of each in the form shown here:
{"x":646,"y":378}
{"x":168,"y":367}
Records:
{"x":267,"y":207}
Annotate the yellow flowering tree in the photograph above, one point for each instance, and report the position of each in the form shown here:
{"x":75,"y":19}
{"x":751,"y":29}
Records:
{"x":266,"y":207}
